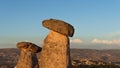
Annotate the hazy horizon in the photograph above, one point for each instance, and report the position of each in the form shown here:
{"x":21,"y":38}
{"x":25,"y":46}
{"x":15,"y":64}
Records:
{"x":96,"y":22}
{"x":76,"y":46}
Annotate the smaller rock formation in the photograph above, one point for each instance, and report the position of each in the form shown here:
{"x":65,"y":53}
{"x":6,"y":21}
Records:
{"x":28,"y":58}
{"x":56,"y":49}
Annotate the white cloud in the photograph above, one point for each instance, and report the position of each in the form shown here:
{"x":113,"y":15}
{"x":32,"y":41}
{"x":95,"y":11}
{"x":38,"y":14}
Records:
{"x":26,"y":41}
{"x":113,"y":35}
{"x":76,"y":41}
{"x":99,"y":41}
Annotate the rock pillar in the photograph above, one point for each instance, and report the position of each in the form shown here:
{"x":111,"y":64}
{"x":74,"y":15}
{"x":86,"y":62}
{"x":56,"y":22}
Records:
{"x":56,"y":48}
{"x":28,"y":58}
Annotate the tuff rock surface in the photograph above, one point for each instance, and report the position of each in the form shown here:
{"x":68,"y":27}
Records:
{"x":28,"y":58}
{"x":56,"y":47}
{"x":59,"y":26}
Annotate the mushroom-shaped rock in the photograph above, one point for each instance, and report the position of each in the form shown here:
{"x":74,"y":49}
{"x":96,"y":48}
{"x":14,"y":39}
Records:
{"x":59,"y":26}
{"x":56,"y":49}
{"x":28,"y":46}
{"x":28,"y":58}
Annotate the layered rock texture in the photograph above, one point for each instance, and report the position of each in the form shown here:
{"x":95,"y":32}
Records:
{"x":28,"y":58}
{"x":56,"y":48}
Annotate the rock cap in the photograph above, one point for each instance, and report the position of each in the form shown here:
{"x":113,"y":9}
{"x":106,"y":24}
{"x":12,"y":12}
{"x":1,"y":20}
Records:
{"x":59,"y":26}
{"x":29,"y":47}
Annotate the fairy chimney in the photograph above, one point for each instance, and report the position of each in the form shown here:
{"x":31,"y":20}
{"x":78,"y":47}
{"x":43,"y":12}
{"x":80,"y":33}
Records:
{"x":28,"y":58}
{"x":56,"y":48}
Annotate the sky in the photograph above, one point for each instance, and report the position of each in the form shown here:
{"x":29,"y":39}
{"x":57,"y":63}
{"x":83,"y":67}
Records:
{"x":96,"y":22}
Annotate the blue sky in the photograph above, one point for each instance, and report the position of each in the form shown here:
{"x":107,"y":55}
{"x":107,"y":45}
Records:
{"x":96,"y":22}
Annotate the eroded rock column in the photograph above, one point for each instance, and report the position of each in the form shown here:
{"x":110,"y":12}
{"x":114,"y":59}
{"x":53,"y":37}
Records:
{"x":56,"y":49}
{"x":28,"y":58}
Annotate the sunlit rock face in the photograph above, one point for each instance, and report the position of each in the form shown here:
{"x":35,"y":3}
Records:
{"x":59,"y":26}
{"x":28,"y":58}
{"x":56,"y":49}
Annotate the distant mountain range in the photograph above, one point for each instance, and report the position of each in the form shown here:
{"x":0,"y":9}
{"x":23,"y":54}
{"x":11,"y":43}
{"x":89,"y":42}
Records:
{"x":9,"y":56}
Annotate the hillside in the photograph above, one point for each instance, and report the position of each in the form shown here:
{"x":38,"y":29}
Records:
{"x":9,"y":56}
{"x":103,"y":55}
